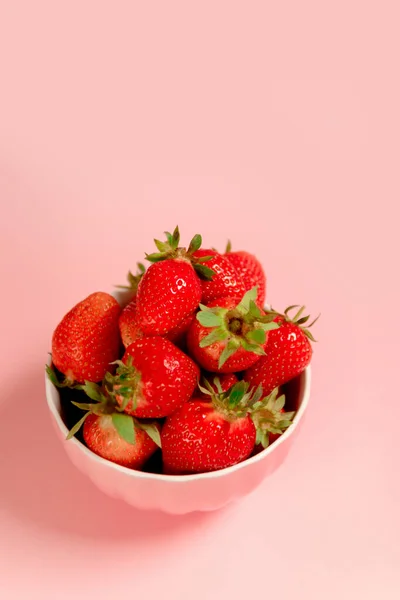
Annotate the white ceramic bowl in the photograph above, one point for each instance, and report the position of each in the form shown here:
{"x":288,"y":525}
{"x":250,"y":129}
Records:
{"x":185,"y":493}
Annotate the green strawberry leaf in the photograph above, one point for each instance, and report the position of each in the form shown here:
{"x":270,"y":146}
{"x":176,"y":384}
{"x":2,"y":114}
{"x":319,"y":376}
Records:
{"x":92,"y":390}
{"x":257,"y":336}
{"x":195,"y":244}
{"x":298,"y":314}
{"x":284,"y":424}
{"x":125,"y":427}
{"x":228,"y":247}
{"x":280,"y":402}
{"x":216,"y":309}
{"x":258,"y":394}
{"x":227,"y":352}
{"x":236,"y":393}
{"x":83,"y":405}
{"x":252,"y":348}
{"x":266,"y":318}
{"x":152,"y":431}
{"x":217,"y":383}
{"x":269,"y":326}
{"x":208,"y":319}
{"x":289,"y":308}
{"x":302,"y":320}
{"x":254,"y":311}
{"x":176,"y":236}
{"x":309,"y":335}
{"x":289,"y":415}
{"x":217,"y":335}
{"x":203,"y":272}
{"x":244,"y":304}
{"x":52,"y":376}
{"x":162,"y":246}
{"x":155,"y":257}
{"x":204,"y":259}
{"x":77,"y":426}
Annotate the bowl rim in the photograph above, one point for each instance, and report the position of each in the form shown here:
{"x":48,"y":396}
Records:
{"x":305,"y":396}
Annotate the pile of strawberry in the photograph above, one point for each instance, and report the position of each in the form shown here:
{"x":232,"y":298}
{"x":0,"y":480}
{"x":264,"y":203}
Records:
{"x":193,"y":364}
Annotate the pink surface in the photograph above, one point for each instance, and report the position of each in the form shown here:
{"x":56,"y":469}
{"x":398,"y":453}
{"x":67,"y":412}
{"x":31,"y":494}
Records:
{"x":277,"y":125}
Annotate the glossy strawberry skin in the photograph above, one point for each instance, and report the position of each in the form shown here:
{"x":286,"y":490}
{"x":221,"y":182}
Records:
{"x":225,"y":282}
{"x":288,"y":352}
{"x":197,"y":439}
{"x":168,"y":377}
{"x":87,"y":339}
{"x":103,"y":439}
{"x":130,"y":330}
{"x":168,"y":293}
{"x":251,"y":272}
{"x":208,"y":357}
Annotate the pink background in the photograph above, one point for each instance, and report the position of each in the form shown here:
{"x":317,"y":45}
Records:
{"x":274,"y":124}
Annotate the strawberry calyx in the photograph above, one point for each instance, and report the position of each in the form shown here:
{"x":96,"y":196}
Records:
{"x":133,"y":280}
{"x":66,"y":382}
{"x":297,"y":319}
{"x":240,"y":401}
{"x":125,"y":384}
{"x":104,"y":403}
{"x":269,"y":418}
{"x":244,"y":326}
{"x":171,"y":250}
{"x":235,"y":403}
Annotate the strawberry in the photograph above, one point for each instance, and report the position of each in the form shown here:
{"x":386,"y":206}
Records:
{"x":153,"y":379}
{"x":209,"y":435}
{"x":227,"y":336}
{"x":87,"y":339}
{"x":250,"y":270}
{"x":131,"y":331}
{"x":170,"y":290}
{"x":103,"y":438}
{"x":112,"y":434}
{"x":287,"y":353}
{"x":225,"y":282}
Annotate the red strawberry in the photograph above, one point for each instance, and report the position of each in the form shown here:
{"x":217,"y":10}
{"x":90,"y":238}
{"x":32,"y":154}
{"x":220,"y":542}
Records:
{"x":227,"y":337}
{"x":218,"y":384}
{"x":225,"y":282}
{"x":87,"y":339}
{"x":170,"y":290}
{"x":111,"y":433}
{"x":288,"y":352}
{"x":131,"y":331}
{"x":153,"y":379}
{"x":250,"y":270}
{"x":206,"y":436}
{"x":103,"y":438}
